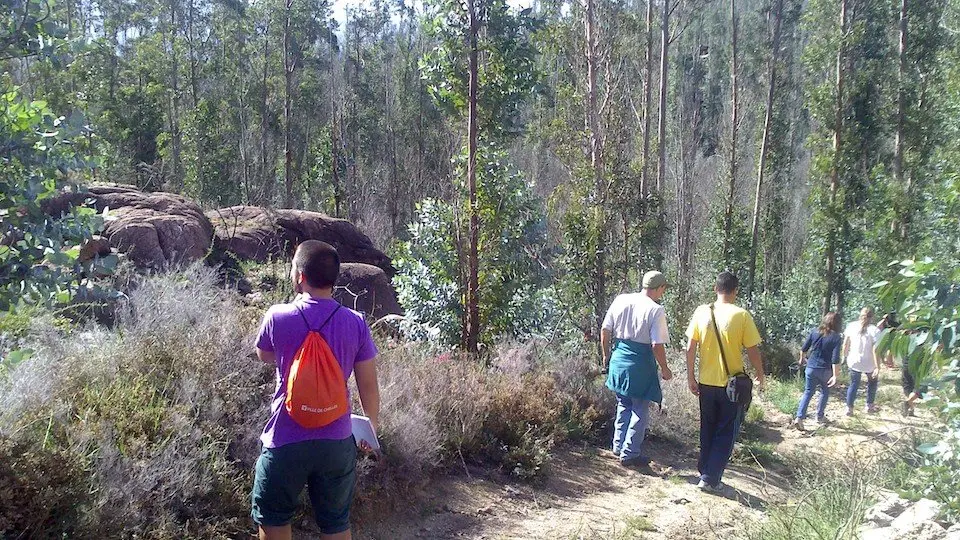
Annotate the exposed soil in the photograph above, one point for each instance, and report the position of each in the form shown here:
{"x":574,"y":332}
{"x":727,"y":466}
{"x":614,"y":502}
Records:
{"x":585,"y":495}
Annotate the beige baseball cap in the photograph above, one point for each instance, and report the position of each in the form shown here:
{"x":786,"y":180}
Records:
{"x":654,"y":280}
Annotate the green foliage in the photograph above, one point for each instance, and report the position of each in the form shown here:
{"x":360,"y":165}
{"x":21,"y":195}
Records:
{"x":506,"y":71}
{"x":514,"y":297}
{"x":40,"y":253}
{"x":785,"y":394}
{"x":926,"y":296}
{"x":428,"y":281}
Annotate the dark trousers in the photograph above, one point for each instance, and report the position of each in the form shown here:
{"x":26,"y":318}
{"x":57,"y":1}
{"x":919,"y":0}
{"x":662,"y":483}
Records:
{"x":719,"y":426}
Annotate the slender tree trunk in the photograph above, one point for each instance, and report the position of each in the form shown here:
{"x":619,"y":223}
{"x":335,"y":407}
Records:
{"x":177,"y":136}
{"x":596,"y":164}
{"x":288,"y":68}
{"x":764,"y":149}
{"x":664,"y":76}
{"x":472,"y":330}
{"x":647,"y":105}
{"x":831,"y":251}
{"x":191,"y":51}
{"x":335,"y":165}
{"x":901,"y":222}
{"x":242,"y":109}
{"x":267,"y":174}
{"x":734,"y":120}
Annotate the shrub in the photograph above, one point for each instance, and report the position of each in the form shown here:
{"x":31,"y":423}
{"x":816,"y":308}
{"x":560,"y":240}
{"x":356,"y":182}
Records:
{"x":161,"y":415}
{"x":442,"y":408}
{"x":679,"y":419}
{"x":150,"y":428}
{"x":516,"y":300}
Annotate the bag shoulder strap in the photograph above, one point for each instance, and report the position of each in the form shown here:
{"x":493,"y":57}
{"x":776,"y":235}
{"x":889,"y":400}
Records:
{"x":716,"y":330}
{"x":324,"y":323}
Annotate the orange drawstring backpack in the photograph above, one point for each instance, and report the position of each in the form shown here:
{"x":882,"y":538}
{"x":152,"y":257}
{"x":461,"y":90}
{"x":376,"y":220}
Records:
{"x":316,"y":389}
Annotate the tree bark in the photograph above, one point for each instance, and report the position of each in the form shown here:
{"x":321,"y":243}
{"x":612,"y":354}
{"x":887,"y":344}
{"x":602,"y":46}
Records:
{"x":647,"y":105}
{"x":596,"y":164}
{"x":901,"y":221}
{"x":734,"y":119}
{"x":266,"y":176}
{"x":831,"y":251}
{"x":664,"y":75}
{"x":472,"y":326}
{"x":288,"y":69}
{"x":175,"y":133}
{"x":764,"y":149}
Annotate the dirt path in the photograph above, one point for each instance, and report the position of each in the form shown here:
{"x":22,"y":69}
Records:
{"x":587,"y":496}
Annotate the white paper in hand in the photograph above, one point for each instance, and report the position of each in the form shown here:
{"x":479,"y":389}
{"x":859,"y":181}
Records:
{"x":363,"y":431}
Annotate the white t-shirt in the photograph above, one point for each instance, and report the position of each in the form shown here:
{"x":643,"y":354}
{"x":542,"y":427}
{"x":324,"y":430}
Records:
{"x":636,"y":317}
{"x":861,"y":357}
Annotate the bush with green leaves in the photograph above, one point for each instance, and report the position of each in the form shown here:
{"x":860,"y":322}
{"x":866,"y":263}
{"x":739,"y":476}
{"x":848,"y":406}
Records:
{"x":926,"y":295}
{"x":515,"y":299}
{"x":40,"y":253}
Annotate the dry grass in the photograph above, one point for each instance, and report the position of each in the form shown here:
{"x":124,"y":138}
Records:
{"x":159,"y":415}
{"x":150,"y":428}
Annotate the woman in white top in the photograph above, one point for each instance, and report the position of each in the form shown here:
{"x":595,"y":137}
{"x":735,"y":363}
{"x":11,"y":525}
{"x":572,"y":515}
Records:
{"x":859,"y":344}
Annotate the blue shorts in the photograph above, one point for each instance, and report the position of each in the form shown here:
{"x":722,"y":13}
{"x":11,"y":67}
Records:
{"x":327,"y":468}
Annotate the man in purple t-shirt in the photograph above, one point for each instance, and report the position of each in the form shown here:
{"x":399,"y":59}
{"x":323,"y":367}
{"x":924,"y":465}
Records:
{"x":323,"y":459}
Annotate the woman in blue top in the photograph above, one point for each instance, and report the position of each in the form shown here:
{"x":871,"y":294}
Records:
{"x":821,"y":352}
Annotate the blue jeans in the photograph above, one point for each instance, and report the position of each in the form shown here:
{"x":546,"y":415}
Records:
{"x":630,"y":426}
{"x":720,"y":421}
{"x":872,"y":384}
{"x":815,"y":377}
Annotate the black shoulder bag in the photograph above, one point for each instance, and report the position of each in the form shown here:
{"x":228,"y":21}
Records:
{"x":740,"y":385}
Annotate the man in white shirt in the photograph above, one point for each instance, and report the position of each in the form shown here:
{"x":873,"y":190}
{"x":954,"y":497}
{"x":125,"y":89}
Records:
{"x":633,"y":340}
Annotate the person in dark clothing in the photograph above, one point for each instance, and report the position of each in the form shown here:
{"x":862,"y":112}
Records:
{"x":821,"y":353}
{"x":911,"y":393}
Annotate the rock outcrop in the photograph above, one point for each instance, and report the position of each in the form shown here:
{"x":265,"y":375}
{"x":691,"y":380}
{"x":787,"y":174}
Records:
{"x":895,"y":517}
{"x":259,"y":234}
{"x":155,"y":230}
{"x":367,"y":288}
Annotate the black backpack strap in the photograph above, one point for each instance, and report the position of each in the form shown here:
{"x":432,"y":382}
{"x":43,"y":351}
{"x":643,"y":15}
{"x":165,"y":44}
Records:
{"x":335,"y":310}
{"x":306,"y":322}
{"x":716,"y":329}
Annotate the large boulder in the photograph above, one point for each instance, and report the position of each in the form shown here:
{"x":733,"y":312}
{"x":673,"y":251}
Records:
{"x":260,"y":234}
{"x":366,"y":288}
{"x":155,"y":229}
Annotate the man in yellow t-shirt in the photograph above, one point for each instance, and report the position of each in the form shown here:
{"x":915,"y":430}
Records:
{"x":720,"y":418}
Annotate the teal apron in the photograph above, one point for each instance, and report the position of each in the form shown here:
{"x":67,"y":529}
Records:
{"x":633,"y":371}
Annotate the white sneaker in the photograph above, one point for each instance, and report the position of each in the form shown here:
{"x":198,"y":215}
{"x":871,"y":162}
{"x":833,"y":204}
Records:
{"x":849,"y":411}
{"x":798,"y":424}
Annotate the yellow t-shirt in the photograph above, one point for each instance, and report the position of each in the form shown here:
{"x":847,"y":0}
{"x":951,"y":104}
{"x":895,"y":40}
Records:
{"x":739,"y":332}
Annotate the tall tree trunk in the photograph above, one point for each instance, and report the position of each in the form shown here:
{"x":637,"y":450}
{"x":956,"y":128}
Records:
{"x":901,"y":221}
{"x":664,"y":76}
{"x":335,"y":165}
{"x":596,"y":164}
{"x":647,"y":105}
{"x":472,"y":330}
{"x":175,"y":133}
{"x":764,"y":148}
{"x":734,"y":119}
{"x":242,"y":109}
{"x":830,"y":277}
{"x":288,"y":68}
{"x":267,"y":175}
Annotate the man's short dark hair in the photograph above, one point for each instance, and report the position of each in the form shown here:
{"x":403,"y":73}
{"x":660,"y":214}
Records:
{"x":319,"y":263}
{"x":727,"y":283}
